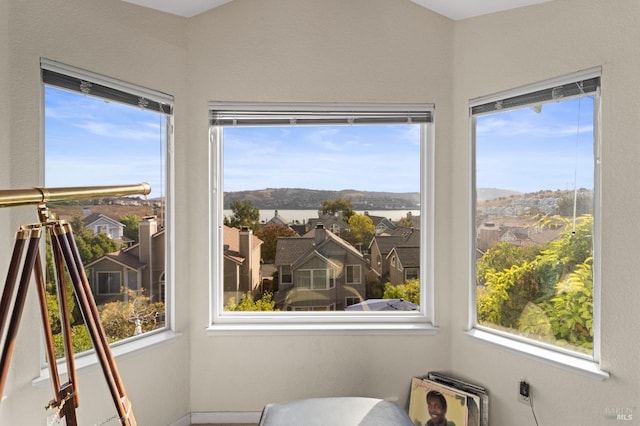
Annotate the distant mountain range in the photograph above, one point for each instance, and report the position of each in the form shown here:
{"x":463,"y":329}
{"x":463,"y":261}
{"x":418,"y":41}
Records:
{"x":305,"y":199}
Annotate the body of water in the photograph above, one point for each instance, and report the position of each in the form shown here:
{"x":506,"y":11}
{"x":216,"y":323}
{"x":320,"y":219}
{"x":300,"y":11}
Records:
{"x":303,"y":216}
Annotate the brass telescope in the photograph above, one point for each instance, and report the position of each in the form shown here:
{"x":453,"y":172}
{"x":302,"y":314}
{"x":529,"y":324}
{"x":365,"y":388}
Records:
{"x":21,"y":197}
{"x":26,"y":263}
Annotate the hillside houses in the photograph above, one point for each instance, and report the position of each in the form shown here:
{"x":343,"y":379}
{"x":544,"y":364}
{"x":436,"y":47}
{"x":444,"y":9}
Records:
{"x":99,"y":223}
{"x":392,"y":253}
{"x":515,"y":231}
{"x":320,"y":272}
{"x":317,"y":268}
{"x":141,"y":266}
{"x":241,"y":257}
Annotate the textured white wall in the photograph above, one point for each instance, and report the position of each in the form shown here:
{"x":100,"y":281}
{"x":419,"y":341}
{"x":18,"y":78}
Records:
{"x":311,"y":51}
{"x":332,"y":51}
{"x":507,"y":50}
{"x":121,"y":41}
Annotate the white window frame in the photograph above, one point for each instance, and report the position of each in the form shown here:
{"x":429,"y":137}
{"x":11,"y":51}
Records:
{"x":154,"y":97}
{"x":226,"y":322}
{"x":577,"y":362}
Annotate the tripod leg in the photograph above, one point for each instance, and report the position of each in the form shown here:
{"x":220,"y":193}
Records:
{"x":63,"y":237}
{"x":66,"y":396}
{"x":64,"y":314}
{"x":10,"y":282}
{"x":33,"y":235}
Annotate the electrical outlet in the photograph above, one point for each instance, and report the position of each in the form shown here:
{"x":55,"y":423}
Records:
{"x":524,"y":391}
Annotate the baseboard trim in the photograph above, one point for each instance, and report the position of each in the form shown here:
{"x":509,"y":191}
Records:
{"x":184,"y":421}
{"x":225,"y":417}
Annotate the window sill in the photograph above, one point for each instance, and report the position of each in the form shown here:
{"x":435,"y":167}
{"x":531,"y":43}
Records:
{"x":90,"y":360}
{"x":337,"y":328}
{"x":586,"y":367}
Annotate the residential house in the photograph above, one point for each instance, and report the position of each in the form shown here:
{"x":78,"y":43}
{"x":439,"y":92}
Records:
{"x":241,"y":263}
{"x":404,"y":264}
{"x":381,"y":223}
{"x":278,"y":220}
{"x":319,"y":271}
{"x":139,"y":267}
{"x":100,"y":223}
{"x":335,"y":224}
{"x":382,"y":245}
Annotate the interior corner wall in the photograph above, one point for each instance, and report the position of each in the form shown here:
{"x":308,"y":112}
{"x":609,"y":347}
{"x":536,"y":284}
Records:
{"x":507,"y":50}
{"x":5,"y":116}
{"x":125,"y":42}
{"x":309,"y":51}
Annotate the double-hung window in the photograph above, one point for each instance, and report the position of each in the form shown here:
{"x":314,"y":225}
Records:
{"x":308,"y":183}
{"x":100,"y":131}
{"x":535,"y":217}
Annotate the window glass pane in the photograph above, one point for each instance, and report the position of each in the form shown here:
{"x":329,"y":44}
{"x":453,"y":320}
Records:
{"x":319,"y":202}
{"x":320,"y":279}
{"x":304,"y":279}
{"x":534,"y":173}
{"x":353,"y":273}
{"x":108,"y":282}
{"x":121,"y":240}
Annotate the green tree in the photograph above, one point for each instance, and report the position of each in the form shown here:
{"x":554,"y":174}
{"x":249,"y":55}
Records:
{"x":333,"y":207}
{"x":583,"y":203}
{"x":137,"y":314}
{"x":269,"y":234}
{"x":265,"y":303}
{"x":80,"y":341}
{"x":243,"y":214}
{"x":571,"y":310}
{"x":410,"y":291}
{"x":130,"y":222}
{"x":361,"y":231}
{"x":503,"y":256}
{"x":91,"y":246}
{"x":558,"y":280}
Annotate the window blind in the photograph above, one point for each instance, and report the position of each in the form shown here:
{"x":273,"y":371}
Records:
{"x":578,"y":85}
{"x":76,"y":80}
{"x":316,"y":114}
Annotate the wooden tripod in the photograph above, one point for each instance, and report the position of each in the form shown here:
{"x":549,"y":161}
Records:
{"x":26,"y":260}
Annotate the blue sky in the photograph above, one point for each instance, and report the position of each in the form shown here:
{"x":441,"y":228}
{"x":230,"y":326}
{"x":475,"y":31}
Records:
{"x":92,"y":142}
{"x":527,"y":151}
{"x":367,"y":158}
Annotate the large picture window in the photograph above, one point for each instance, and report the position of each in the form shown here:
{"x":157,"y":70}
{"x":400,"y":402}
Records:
{"x":536,"y":189}
{"x":304,"y":196}
{"x":102,"y":132}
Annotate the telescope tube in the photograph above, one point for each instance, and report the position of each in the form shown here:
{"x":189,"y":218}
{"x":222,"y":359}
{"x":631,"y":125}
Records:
{"x":21,"y":197}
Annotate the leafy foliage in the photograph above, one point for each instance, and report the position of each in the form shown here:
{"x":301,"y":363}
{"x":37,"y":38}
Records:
{"x":583,"y":204}
{"x":265,"y":303}
{"x":80,"y":341}
{"x":91,"y":246}
{"x":130,"y":222}
{"x":120,"y":319}
{"x":269,"y":234}
{"x":408,"y":291}
{"x":339,"y":205}
{"x":362,"y":230}
{"x":549,"y":295}
{"x":243,"y":213}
